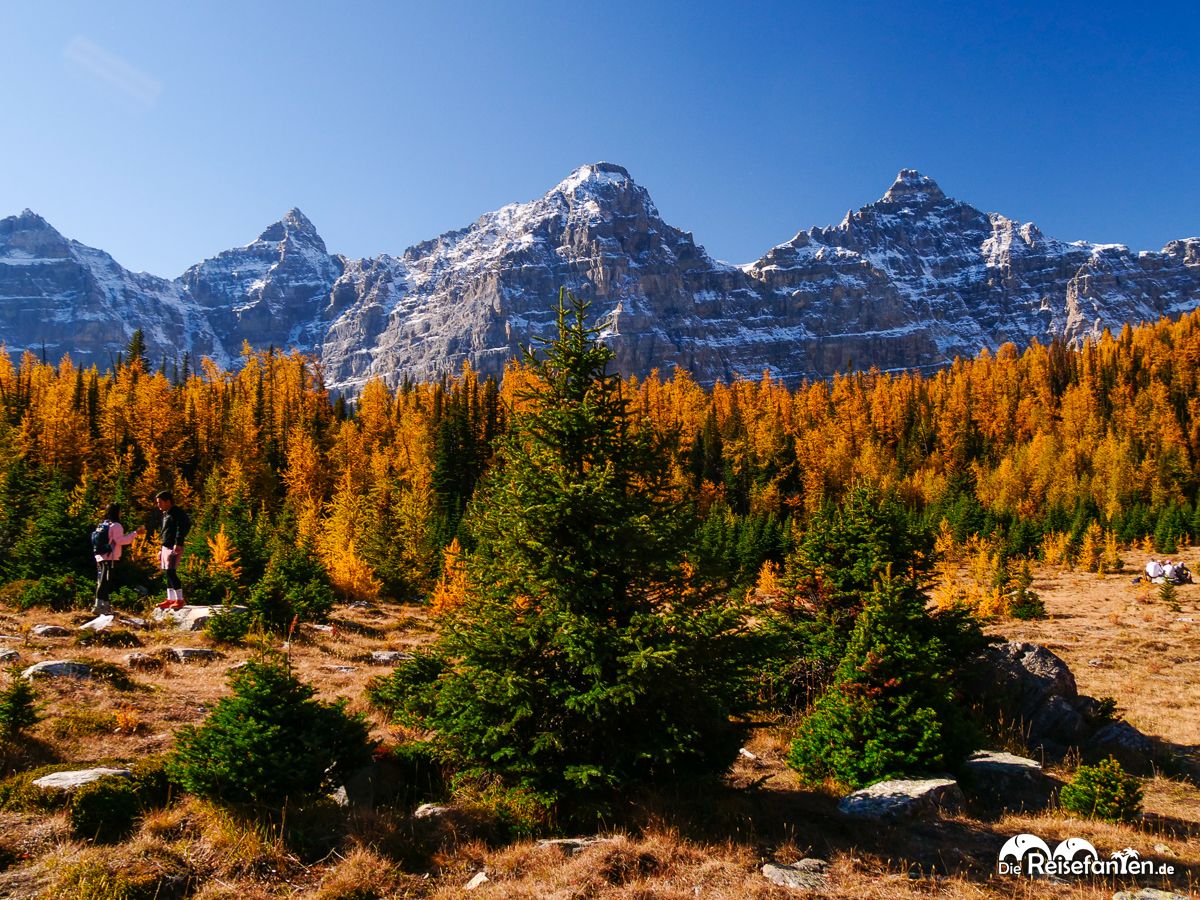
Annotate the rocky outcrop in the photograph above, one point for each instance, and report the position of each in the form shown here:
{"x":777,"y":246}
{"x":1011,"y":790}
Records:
{"x":901,"y":799}
{"x":58,"y":296}
{"x":1003,"y":781}
{"x":1034,"y":691}
{"x":909,"y":281}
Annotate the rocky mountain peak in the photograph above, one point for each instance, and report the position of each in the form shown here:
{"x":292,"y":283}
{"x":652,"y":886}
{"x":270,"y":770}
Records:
{"x":911,"y":187}
{"x":594,"y":178}
{"x":910,"y":280}
{"x":28,"y":234}
{"x":293,"y":226}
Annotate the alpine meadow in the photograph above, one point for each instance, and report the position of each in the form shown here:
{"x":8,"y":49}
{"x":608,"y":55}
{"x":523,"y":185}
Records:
{"x":444,"y":629}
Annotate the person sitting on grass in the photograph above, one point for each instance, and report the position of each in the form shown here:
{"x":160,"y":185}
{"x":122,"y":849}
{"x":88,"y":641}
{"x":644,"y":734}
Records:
{"x":1154,"y":571}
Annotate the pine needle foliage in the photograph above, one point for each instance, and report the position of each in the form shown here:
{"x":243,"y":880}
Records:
{"x":269,"y":742}
{"x":1103,"y":791}
{"x":18,"y":707}
{"x":894,"y":707}
{"x":580,"y":661}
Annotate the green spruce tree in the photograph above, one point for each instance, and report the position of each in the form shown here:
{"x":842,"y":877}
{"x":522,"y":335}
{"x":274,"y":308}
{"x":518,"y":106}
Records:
{"x":895,"y":705}
{"x":581,"y":661}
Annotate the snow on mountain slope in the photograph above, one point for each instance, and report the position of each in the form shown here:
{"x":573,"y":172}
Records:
{"x":59,"y":296}
{"x":272,"y":292}
{"x":911,"y":280}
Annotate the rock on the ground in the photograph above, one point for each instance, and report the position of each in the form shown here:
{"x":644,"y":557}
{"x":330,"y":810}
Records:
{"x":804,"y":875}
{"x":1030,"y":674}
{"x":49,"y":631}
{"x":194,"y":654}
{"x":432,"y":811}
{"x":904,"y":798}
{"x":478,"y":879}
{"x":194,"y":618}
{"x":9,"y":655}
{"x":69,"y":781}
{"x":58,"y":668}
{"x":1057,"y":721}
{"x":1130,"y":747}
{"x":1149,"y":894}
{"x":145,"y":662}
{"x":389,"y":657}
{"x":99,"y":623}
{"x":1035,"y":690}
{"x":1006,"y":781}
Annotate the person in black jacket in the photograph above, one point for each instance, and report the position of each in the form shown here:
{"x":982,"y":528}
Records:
{"x":172,"y":533}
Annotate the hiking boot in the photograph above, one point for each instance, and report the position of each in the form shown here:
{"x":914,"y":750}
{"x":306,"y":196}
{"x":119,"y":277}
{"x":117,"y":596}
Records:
{"x":169,"y":604}
{"x":102,"y":609}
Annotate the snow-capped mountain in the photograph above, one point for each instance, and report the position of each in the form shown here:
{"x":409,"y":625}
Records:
{"x":272,"y":292}
{"x":911,"y":280}
{"x":59,"y":296}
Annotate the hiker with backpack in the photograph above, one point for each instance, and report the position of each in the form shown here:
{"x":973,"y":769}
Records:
{"x":172,"y":533}
{"x":108,"y":538}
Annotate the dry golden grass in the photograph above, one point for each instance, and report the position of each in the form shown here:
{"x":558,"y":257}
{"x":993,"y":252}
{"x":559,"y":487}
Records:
{"x":1118,"y":638}
{"x":1121,"y":641}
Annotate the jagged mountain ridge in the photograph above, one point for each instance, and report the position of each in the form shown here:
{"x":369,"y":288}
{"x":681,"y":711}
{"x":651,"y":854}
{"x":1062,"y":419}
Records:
{"x":908,"y":281}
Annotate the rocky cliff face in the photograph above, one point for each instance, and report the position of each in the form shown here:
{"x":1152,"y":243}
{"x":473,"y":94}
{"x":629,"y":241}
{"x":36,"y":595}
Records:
{"x":911,"y":280}
{"x":272,"y":292}
{"x":58,"y":296}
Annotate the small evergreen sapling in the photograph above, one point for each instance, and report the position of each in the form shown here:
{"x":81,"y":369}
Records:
{"x":18,"y":707}
{"x":268,"y":743}
{"x":1103,"y":791}
{"x":1168,"y":594}
{"x":580,"y":660}
{"x":894,"y":707}
{"x":294,"y":584}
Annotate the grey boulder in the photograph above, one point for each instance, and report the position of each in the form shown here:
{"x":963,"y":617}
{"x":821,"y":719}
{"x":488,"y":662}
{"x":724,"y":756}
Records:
{"x":194,"y":654}
{"x":49,"y":631}
{"x":194,"y":618}
{"x":802,"y":875}
{"x":904,"y":798}
{"x":389,"y":657}
{"x":1126,"y":744}
{"x":1006,"y":781}
{"x":69,"y":781}
{"x":58,"y":668}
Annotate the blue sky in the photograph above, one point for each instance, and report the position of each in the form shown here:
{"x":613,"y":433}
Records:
{"x":164,"y":135}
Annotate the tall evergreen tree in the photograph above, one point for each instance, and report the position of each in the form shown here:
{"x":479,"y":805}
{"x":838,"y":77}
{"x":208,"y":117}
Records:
{"x":580,"y":660}
{"x":135,"y":351}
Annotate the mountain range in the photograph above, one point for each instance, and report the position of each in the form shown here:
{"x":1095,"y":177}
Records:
{"x":909,"y":281}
